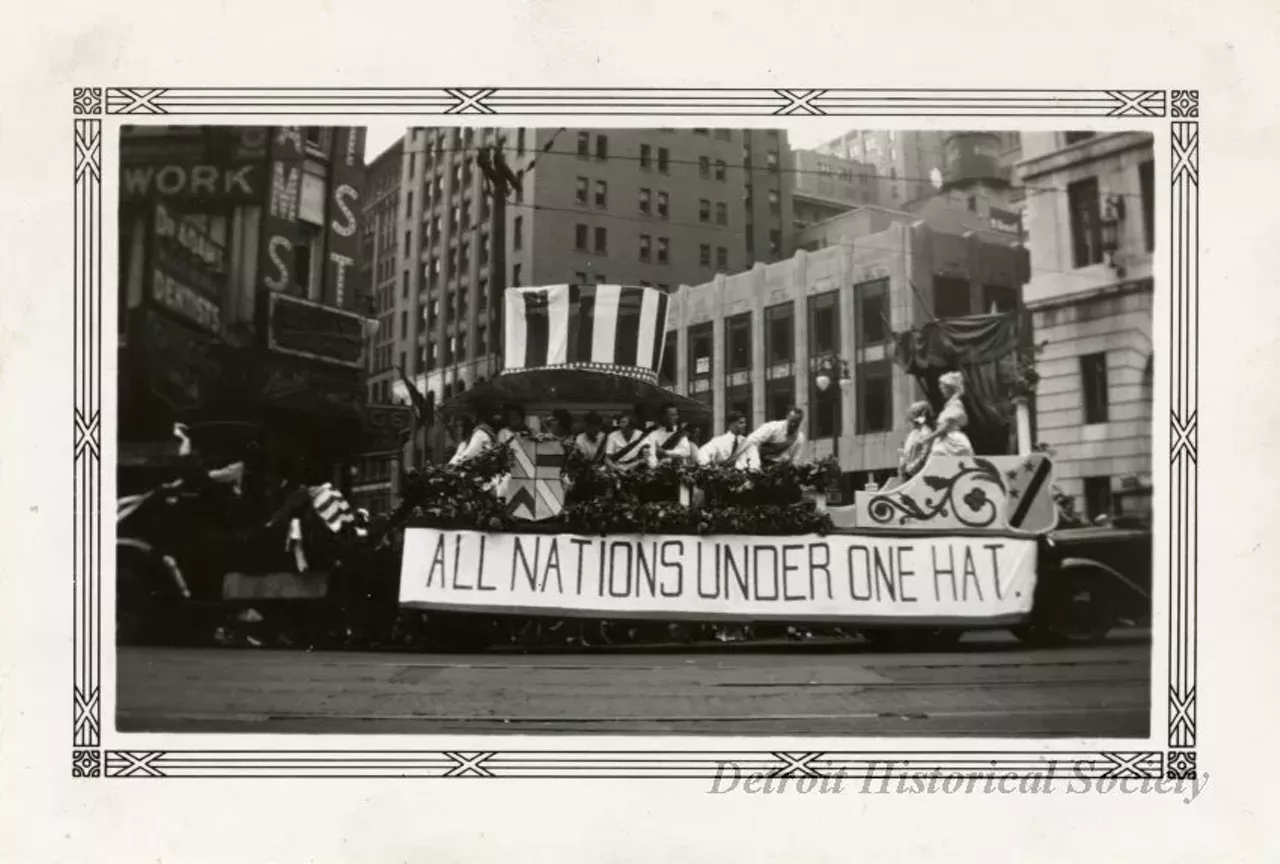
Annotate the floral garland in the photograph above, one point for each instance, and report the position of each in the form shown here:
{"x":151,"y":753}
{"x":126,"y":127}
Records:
{"x":604,"y":499}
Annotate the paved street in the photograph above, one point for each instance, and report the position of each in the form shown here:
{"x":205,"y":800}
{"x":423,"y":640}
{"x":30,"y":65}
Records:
{"x":989,"y":685}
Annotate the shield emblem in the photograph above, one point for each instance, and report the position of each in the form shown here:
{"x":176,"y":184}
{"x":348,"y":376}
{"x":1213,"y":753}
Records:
{"x":535,"y":490}
{"x":1030,"y":495}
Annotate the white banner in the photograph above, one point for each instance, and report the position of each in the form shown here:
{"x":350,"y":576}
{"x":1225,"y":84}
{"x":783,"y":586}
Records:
{"x":967,"y":579}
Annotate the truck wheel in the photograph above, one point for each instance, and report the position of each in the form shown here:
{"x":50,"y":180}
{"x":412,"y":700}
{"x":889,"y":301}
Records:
{"x":1085,"y":606}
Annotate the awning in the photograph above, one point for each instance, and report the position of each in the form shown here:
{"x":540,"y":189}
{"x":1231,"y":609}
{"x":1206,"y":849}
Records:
{"x":572,"y":389}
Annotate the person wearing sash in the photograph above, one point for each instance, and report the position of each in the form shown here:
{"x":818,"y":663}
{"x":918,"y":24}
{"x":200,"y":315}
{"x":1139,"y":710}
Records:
{"x":729,"y":448}
{"x":591,"y":443}
{"x":670,"y":441}
{"x":626,"y":446}
{"x":779,"y":441}
{"x":481,"y":438}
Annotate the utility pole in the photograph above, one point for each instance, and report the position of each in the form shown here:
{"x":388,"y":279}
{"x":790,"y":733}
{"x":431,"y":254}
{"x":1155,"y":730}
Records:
{"x":502,"y":180}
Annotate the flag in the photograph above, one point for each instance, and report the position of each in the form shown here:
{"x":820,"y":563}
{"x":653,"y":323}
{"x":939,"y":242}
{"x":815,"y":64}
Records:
{"x":423,"y":411}
{"x":332,"y":508}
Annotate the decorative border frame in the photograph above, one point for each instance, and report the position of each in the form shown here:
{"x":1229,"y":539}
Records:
{"x":91,"y":759}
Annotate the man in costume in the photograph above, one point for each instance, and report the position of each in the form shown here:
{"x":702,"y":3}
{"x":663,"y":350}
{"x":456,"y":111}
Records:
{"x":669,"y":441}
{"x":626,"y":446}
{"x":731,"y":447}
{"x":779,"y":441}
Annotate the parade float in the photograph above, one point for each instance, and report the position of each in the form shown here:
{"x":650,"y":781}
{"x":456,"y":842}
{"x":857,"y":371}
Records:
{"x":964,"y":544}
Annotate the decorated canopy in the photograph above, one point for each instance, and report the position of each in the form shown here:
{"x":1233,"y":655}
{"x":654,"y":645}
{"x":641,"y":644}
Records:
{"x":593,"y":347}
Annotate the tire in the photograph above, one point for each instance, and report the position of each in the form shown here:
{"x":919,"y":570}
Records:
{"x":1079,"y":607}
{"x":147,"y":606}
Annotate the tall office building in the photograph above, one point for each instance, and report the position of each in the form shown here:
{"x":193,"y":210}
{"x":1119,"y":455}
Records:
{"x":660,"y":207}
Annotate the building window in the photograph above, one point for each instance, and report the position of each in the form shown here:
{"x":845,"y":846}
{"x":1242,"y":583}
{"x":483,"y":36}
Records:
{"x":721,"y":170}
{"x":1093,"y":375}
{"x":704,"y":167}
{"x":646,"y":243}
{"x":664,"y":250}
{"x":779,"y":333}
{"x":701,"y":345}
{"x":1077,"y":137}
{"x":1086,"y":222}
{"x":950,"y":297}
{"x":584,"y":145}
{"x":517,"y":233}
{"x":737,"y":343}
{"x":580,"y":191}
{"x":1147,"y":183}
{"x":722,"y":213}
{"x":519,"y":141}
{"x":722,"y":258}
{"x":751,"y":237}
{"x":874,"y":382}
{"x":579,"y":278}
{"x":775,"y":202}
{"x":515,"y":276}
{"x":601,"y":279}
{"x":646,"y":201}
{"x":871,"y":299}
{"x":602,"y":147}
{"x":704,"y":255}
{"x":404,"y":325}
{"x":775,"y":243}
{"x":646,"y":157}
{"x":664,"y":160}
{"x":602,"y":241}
{"x":779,"y":396}
{"x":580,"y":237}
{"x":404,"y":281}
{"x":701,"y":131}
{"x":667,"y":371}
{"x":664,"y":206}
{"x":771,"y":160}
{"x":824,"y":323}
{"x":1097,"y":497}
{"x":407,"y":241}
{"x":408,"y":204}
{"x":602,"y":194}
{"x":482,"y":347}
{"x":999,"y":298}
{"x":826,"y":407}
{"x":704,"y":210}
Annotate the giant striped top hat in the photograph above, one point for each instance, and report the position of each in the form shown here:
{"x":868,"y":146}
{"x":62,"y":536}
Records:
{"x":603,"y":328}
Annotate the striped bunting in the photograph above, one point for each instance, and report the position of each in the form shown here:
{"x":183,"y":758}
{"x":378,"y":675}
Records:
{"x":586,"y":326}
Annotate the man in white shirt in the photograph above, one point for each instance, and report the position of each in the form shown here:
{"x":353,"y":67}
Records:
{"x":481,"y":439}
{"x":670,"y":442}
{"x":627,"y":446}
{"x":591,"y":443}
{"x":779,"y":441}
{"x":731,"y":447}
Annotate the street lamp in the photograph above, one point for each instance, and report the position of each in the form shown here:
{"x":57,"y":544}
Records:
{"x":829,"y":369}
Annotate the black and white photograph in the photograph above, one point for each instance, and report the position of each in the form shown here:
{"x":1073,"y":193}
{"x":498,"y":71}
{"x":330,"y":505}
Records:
{"x":813,"y":428}
{"x":682,"y":432}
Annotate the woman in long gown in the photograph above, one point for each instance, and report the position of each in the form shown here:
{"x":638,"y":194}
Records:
{"x":915,"y":450}
{"x":948,"y":438}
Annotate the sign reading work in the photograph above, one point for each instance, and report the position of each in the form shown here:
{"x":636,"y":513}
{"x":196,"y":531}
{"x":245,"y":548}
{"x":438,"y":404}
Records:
{"x":845,"y":577}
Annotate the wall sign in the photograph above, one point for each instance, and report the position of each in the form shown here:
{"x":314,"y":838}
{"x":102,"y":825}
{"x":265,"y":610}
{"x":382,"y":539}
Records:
{"x":307,"y":329}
